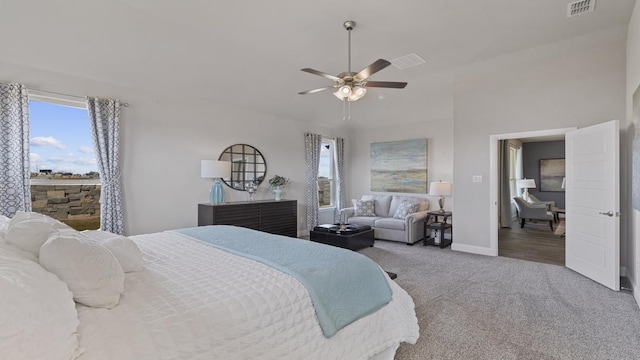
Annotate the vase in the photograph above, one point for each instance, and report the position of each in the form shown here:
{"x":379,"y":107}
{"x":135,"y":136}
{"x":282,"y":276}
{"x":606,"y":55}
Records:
{"x":277,"y":193}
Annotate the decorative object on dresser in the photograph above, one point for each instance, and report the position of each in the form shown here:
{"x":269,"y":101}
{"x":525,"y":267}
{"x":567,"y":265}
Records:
{"x":526,"y":184}
{"x":212,"y":169}
{"x":276,"y":217}
{"x":438,"y":229}
{"x":441,"y":189}
{"x":399,"y":166}
{"x":247,"y":166}
{"x":277,"y":184}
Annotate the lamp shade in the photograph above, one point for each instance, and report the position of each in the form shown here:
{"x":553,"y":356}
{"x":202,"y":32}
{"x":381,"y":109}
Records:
{"x":564,"y":183}
{"x":440,"y":188}
{"x":214,"y":169}
{"x":526,"y":183}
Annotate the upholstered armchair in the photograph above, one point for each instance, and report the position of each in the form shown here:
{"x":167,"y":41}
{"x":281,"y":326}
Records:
{"x":527,"y":211}
{"x":534,"y":200}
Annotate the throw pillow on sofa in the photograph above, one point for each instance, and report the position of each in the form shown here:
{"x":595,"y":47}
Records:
{"x":405,"y":209}
{"x":363,"y":208}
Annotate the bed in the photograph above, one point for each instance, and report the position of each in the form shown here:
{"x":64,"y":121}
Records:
{"x":197,"y":300}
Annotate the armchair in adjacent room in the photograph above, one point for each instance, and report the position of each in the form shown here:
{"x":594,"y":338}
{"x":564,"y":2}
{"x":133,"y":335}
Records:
{"x":535,"y":201}
{"x":527,"y":211}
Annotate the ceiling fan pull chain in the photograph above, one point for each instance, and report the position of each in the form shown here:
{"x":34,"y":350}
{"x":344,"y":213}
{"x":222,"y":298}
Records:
{"x":344,"y":109}
{"x":349,"y":110}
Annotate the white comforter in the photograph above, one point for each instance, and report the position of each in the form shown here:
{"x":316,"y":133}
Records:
{"x":193,"y":301}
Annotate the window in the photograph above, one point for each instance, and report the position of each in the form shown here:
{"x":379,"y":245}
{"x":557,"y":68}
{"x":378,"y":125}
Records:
{"x":326,"y":173}
{"x":65,"y":183}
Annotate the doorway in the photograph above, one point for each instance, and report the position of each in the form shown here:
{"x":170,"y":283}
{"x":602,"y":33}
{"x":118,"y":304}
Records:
{"x":540,"y":160}
{"x":494,"y":183}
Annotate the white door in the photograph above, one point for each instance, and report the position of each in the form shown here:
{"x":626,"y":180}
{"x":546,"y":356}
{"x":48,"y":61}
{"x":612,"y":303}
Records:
{"x":593,"y":203}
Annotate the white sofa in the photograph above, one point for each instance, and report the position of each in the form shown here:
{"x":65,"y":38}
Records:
{"x":386,"y":227}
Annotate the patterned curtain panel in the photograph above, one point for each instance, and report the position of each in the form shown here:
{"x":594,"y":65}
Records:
{"x":505,"y":188}
{"x":312,"y":143}
{"x":104,"y":116}
{"x":15,"y":192}
{"x":340,"y":187}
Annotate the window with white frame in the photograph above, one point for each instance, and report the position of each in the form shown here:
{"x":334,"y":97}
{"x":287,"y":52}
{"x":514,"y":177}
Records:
{"x":65,"y":182}
{"x":326,"y":174}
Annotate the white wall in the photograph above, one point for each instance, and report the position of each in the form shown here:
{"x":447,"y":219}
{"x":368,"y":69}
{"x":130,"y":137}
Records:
{"x":633,"y":82}
{"x":164,"y":139}
{"x":439,"y":147}
{"x":577,"y":82}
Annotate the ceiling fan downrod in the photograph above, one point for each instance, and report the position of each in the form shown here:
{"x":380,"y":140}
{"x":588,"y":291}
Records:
{"x":349,"y":25}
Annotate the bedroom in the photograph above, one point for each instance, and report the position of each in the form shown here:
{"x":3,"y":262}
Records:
{"x":580,"y":72}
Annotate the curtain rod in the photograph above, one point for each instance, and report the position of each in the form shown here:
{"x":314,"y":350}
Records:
{"x":71,"y":96}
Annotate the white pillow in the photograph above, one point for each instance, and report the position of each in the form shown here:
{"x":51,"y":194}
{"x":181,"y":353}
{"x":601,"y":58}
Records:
{"x":92,"y":273}
{"x":29,"y":230}
{"x":124,"y":249}
{"x":37,"y":312}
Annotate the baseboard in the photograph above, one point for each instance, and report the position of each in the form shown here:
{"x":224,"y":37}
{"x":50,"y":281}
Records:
{"x":472,"y":249}
{"x":303,"y":233}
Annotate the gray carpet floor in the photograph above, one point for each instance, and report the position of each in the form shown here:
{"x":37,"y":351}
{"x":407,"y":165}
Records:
{"x":478,"y":307}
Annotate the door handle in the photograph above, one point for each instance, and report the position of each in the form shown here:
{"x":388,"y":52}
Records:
{"x":608,"y":213}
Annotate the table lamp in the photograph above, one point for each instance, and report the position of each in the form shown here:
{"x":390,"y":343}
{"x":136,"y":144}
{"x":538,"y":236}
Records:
{"x":526,"y":184}
{"x":564,"y":183}
{"x":441,"y":189}
{"x":215,"y":169}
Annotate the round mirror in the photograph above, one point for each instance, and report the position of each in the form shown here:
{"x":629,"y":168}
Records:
{"x":247,"y":166}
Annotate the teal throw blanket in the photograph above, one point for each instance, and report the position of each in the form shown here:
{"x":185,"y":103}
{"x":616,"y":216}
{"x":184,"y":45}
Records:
{"x":342,"y":284}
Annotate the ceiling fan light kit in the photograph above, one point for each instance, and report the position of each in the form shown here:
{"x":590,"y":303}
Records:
{"x":350,"y":86}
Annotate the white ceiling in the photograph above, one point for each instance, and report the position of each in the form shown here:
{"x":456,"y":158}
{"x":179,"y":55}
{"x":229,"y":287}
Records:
{"x":249,"y":53}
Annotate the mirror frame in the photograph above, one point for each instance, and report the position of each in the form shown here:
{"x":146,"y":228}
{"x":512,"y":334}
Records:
{"x":249,"y":158}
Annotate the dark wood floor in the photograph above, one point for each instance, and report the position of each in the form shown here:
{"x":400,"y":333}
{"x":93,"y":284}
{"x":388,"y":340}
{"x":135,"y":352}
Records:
{"x":535,"y":242}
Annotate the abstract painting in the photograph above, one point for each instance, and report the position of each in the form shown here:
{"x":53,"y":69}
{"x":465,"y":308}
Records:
{"x":399,"y":166}
{"x":551,"y":174}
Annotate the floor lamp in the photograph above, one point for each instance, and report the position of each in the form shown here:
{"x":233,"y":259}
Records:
{"x":215,"y":169}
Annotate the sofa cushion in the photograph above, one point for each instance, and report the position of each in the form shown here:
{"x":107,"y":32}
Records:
{"x":390,"y":223}
{"x":363,"y":207}
{"x":404,"y":209}
{"x":423,"y":204}
{"x":381,"y":204}
{"x":364,"y":220}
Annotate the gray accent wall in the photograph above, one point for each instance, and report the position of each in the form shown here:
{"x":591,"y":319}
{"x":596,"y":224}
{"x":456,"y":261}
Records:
{"x":532,"y":153}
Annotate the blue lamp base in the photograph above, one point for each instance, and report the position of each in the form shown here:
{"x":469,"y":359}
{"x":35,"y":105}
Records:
{"x":216,"y":194}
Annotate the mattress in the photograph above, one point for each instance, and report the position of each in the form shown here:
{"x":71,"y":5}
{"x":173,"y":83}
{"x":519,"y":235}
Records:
{"x":194,"y":301}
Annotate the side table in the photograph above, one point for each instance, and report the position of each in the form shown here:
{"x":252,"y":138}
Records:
{"x":440,"y":225}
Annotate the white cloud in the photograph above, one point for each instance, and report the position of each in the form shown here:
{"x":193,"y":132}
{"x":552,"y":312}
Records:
{"x":86,"y":150}
{"x":49,"y":141}
{"x":33,"y":157}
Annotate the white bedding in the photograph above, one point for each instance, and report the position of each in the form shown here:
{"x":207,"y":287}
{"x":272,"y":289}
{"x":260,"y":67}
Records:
{"x":193,"y":301}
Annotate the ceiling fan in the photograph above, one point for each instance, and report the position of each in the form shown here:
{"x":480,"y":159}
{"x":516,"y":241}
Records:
{"x":352,"y":86}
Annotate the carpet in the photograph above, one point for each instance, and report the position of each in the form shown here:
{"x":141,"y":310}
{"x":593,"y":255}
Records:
{"x":479,"y":307}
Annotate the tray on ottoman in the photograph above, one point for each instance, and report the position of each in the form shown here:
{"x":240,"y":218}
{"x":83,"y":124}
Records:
{"x":351,"y":237}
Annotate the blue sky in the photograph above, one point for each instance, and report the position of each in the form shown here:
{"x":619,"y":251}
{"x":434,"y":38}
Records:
{"x":60,"y":139}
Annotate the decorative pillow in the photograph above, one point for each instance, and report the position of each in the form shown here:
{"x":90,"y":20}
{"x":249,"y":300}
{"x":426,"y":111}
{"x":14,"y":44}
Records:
{"x":405,"y":209}
{"x":363,"y":208}
{"x":124,"y":249}
{"x":4,"y":225}
{"x":92,"y":273}
{"x":38,"y":317}
{"x":29,"y":230}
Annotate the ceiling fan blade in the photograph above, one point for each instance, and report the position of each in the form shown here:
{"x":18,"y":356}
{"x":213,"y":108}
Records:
{"x":318,"y":90}
{"x":385,"y":84}
{"x":320,"y":73}
{"x":371,"y":69}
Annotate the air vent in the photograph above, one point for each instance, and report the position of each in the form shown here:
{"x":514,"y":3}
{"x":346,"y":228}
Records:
{"x":408,"y":61}
{"x":578,"y":8}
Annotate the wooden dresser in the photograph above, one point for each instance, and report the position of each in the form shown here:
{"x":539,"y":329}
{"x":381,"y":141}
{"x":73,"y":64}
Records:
{"x":275,"y":217}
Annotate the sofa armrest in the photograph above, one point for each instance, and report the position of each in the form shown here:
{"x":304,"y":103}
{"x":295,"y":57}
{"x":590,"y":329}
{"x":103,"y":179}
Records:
{"x":415,"y":226}
{"x":345,"y":214}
